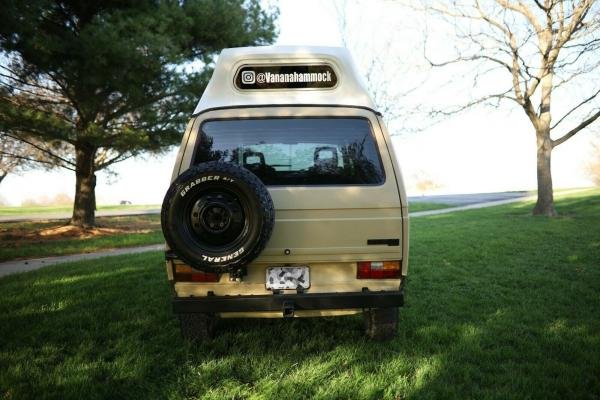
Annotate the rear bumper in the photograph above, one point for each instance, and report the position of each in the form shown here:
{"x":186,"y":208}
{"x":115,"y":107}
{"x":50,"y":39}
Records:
{"x":287,"y":303}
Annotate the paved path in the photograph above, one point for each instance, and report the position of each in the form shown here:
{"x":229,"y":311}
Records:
{"x":469,"y":206}
{"x":12,"y":267}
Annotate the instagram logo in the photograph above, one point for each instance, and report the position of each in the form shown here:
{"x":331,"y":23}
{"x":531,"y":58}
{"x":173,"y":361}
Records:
{"x":248,"y":77}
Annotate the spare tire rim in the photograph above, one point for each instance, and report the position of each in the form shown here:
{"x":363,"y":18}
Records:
{"x":214,"y":217}
{"x":217,"y":217}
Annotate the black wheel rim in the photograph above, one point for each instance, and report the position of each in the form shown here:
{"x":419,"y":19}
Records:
{"x":216,"y":218}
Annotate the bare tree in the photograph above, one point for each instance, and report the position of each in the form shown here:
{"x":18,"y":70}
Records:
{"x":539,"y":50}
{"x":8,"y":164}
{"x":424,"y":182}
{"x":389,"y":78}
{"x":593,"y":165}
{"x":17,"y":155}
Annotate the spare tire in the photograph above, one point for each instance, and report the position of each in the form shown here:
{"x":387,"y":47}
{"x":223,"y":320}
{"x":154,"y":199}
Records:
{"x":217,"y":217}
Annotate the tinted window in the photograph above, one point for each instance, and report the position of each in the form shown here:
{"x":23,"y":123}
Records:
{"x":295,"y":151}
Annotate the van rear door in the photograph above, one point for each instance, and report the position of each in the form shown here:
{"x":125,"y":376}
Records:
{"x":328,"y":170}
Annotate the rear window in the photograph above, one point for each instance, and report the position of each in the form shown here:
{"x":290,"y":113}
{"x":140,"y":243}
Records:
{"x":295,"y":151}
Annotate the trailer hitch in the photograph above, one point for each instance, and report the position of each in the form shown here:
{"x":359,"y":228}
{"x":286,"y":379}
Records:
{"x":288,"y":309}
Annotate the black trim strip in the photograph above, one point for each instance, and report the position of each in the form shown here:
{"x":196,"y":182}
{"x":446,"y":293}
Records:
{"x":284,"y":105}
{"x":388,"y":242}
{"x":276,"y":302}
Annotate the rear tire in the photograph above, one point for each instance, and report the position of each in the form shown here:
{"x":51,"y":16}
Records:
{"x":381,"y":323}
{"x":197,"y":327}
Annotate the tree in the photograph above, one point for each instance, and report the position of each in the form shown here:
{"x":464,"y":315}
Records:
{"x":593,"y":165}
{"x":424,"y":182}
{"x":539,"y":49}
{"x":113,"y":79}
{"x":8,"y":163}
{"x":17,"y":155}
{"x":390,"y":71}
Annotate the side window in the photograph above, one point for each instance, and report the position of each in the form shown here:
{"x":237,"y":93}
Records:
{"x":295,"y":151}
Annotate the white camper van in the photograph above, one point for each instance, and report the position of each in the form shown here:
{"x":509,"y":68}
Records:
{"x":286,"y":198}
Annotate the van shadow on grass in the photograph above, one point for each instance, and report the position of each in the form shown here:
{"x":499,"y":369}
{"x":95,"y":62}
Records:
{"x":499,"y":305}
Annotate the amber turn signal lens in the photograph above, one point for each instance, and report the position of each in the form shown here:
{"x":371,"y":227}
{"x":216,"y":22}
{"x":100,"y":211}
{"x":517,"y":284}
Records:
{"x":378,"y":270}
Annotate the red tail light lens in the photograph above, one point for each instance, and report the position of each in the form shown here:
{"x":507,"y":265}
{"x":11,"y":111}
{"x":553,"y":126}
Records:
{"x":378,"y":270}
{"x":185,"y":273}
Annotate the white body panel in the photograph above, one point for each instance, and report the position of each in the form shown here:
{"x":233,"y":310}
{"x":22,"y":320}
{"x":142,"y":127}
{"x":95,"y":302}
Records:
{"x":222,"y":92}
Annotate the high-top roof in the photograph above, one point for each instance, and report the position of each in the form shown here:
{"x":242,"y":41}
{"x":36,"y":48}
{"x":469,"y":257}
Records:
{"x":224,"y":91}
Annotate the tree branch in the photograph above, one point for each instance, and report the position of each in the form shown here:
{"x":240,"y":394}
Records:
{"x":46,"y":151}
{"x":575,"y":108}
{"x":497,"y":96}
{"x":468,"y":58}
{"x":521,"y":9}
{"x":118,"y":158}
{"x":34,"y":160}
{"x":541,"y":6}
{"x":575,"y":130}
{"x":15,"y":77}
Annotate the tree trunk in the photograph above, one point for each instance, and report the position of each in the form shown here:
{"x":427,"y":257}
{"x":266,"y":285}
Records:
{"x":85,"y":185}
{"x":3,"y":175}
{"x":545,"y":198}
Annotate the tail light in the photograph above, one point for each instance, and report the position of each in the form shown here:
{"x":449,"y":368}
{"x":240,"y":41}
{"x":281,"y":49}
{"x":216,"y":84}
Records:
{"x":378,"y":270}
{"x":185,"y":273}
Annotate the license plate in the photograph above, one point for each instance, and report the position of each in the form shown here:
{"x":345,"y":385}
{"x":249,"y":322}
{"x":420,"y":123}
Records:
{"x":281,"y":278}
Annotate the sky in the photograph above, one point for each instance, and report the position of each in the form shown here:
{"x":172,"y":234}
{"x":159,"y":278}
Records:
{"x":483,"y":150}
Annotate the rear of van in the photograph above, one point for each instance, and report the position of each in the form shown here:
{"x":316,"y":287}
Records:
{"x":339,"y":241}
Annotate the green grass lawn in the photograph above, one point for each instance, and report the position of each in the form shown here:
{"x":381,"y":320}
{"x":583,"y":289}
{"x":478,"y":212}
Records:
{"x":9,"y":211}
{"x":500,"y":305}
{"x":425,"y":206}
{"x":41,"y":239}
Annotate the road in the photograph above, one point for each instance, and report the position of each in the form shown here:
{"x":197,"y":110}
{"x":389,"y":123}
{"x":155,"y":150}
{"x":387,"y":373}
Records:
{"x":471,"y":198}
